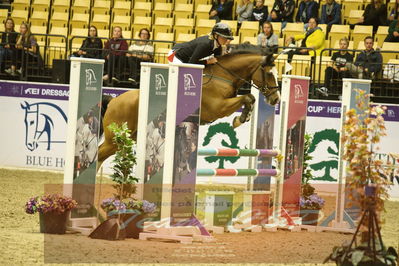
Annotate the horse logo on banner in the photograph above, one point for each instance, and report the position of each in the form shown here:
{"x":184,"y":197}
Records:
{"x":188,"y":82}
{"x":90,"y":77}
{"x":40,"y":122}
{"x":159,"y":82}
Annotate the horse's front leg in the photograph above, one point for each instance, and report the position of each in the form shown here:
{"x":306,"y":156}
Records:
{"x":248,"y":101}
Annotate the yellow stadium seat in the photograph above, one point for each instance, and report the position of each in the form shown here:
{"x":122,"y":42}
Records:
{"x":142,"y":9}
{"x":183,"y":2}
{"x":390,"y":46}
{"x":276,"y":28}
{"x":2,"y":27}
{"x":40,"y":5}
{"x":280,"y":64}
{"x":183,"y":25}
{"x":100,"y":21}
{"x":351,"y":5}
{"x":301,"y":65}
{"x":323,"y":28}
{"x":161,"y":55}
{"x":3,"y":14}
{"x":236,"y":40}
{"x":38,"y":29}
{"x":103,"y":33}
{"x":381,"y":34}
{"x":58,"y":31}
{"x":163,"y":10}
{"x":55,"y":50}
{"x":19,"y":16}
{"x":141,"y":22}
{"x":251,"y":40}
{"x":122,"y":8}
{"x":122,"y":21}
{"x":164,"y":25}
{"x":79,"y":32}
{"x":338,"y":32}
{"x":61,"y":6}
{"x":202,"y":2}
{"x":101,"y":7}
{"x":59,"y":19}
{"x":80,"y":20}
{"x":204,"y":26}
{"x":336,"y":45}
{"x":249,"y":29}
{"x":184,"y":37}
{"x":183,"y":11}
{"x":160,"y":36}
{"x":202,"y":12}
{"x":81,"y":6}
{"x":320,"y":72}
{"x":20,"y":5}
{"x":360,"y":32}
{"x":293,"y":29}
{"x":39,"y":18}
{"x":354,"y":16}
{"x":233,"y":25}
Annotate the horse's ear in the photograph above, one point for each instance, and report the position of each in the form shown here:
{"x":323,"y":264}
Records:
{"x":26,"y":106}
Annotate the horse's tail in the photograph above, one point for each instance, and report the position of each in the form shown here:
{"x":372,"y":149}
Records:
{"x":104,"y":105}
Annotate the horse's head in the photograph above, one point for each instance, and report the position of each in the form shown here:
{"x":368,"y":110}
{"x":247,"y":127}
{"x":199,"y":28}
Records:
{"x":265,"y":78}
{"x":30,"y":125}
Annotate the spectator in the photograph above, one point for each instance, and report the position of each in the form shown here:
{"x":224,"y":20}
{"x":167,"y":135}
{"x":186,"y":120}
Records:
{"x":368,"y":63}
{"x":221,"y":9}
{"x":7,"y":47}
{"x":314,"y":38}
{"x":27,"y":49}
{"x":337,"y":68}
{"x":115,"y":50}
{"x":284,"y":10}
{"x":374,"y":15}
{"x":307,"y":9}
{"x":139,"y":51}
{"x":260,"y":12}
{"x":394,"y":12}
{"x":330,"y":14}
{"x":274,"y":17}
{"x":92,"y":46}
{"x":244,"y":11}
{"x":393,"y":32}
{"x":267,"y":38}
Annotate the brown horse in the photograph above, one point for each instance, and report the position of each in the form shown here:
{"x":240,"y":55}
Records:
{"x":219,"y":93}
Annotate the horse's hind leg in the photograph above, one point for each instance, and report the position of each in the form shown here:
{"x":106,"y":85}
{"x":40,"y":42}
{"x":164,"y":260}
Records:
{"x":246,"y":114}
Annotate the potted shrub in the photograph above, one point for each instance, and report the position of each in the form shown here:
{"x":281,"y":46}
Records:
{"x":366,"y":184}
{"x":53,"y":212}
{"x":310,"y":203}
{"x":129,"y":212}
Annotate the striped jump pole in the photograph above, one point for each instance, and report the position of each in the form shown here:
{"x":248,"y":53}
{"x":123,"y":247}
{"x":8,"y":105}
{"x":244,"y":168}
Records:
{"x":238,"y":172}
{"x":238,"y":152}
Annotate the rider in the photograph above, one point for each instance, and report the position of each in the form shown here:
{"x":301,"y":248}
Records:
{"x":194,"y":51}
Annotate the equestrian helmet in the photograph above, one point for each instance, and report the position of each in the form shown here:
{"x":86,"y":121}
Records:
{"x":223,"y":30}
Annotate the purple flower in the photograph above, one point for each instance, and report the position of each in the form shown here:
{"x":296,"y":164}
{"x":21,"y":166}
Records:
{"x":313,"y":202}
{"x":50,"y":203}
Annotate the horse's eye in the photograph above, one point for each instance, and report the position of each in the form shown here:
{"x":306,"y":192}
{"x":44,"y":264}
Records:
{"x":31,"y":122}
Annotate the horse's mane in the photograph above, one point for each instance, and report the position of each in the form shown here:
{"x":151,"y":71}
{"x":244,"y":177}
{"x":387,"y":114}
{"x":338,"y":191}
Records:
{"x":247,"y":48}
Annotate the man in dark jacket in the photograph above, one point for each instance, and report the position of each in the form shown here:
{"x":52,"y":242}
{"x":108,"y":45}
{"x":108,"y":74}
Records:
{"x":194,"y":51}
{"x":307,"y":9}
{"x":330,"y":14}
{"x":221,"y":10}
{"x":368,"y":63}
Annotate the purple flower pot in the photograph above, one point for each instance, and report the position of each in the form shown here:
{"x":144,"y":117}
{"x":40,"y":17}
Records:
{"x":309,"y":217}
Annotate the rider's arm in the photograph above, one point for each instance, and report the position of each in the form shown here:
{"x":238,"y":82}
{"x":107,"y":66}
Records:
{"x":201,"y":51}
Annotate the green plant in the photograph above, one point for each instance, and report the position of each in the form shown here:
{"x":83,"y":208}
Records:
{"x":307,"y":189}
{"x":124,"y":161}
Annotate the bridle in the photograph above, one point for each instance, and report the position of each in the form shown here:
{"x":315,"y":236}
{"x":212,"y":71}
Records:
{"x":264,"y":89}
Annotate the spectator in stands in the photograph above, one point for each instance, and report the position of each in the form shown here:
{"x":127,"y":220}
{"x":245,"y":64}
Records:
{"x":307,"y":9}
{"x":221,"y":9}
{"x":393,"y":32}
{"x":394,"y":12}
{"x":7,"y":47}
{"x":368,"y":63}
{"x":337,"y":68}
{"x":114,"y":54}
{"x":267,"y":38}
{"x":374,"y":15}
{"x":195,"y":51}
{"x":27,"y":49}
{"x":139,"y":51}
{"x":260,"y":12}
{"x":244,"y":11}
{"x":92,"y":46}
{"x":330,"y":14}
{"x":282,"y":11}
{"x":313,"y":38}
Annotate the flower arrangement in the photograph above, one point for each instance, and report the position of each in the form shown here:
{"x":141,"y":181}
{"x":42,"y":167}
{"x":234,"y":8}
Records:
{"x":50,"y":203}
{"x":112,"y":205}
{"x":312,"y":202}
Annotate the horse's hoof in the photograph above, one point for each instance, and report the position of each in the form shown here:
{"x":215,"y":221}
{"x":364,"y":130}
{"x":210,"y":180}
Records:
{"x":236,"y":122}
